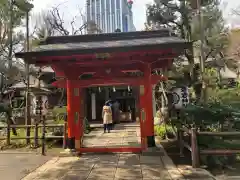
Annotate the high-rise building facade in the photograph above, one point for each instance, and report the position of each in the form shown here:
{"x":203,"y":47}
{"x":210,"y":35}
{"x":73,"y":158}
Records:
{"x":110,"y":15}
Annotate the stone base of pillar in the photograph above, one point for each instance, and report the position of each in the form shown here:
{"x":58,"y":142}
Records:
{"x":151,"y":141}
{"x":69,"y":153}
{"x":71,"y":143}
{"x":77,"y":144}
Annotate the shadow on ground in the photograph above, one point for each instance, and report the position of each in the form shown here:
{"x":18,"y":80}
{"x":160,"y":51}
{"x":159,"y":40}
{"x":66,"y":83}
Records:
{"x":114,"y":166}
{"x":106,"y":166}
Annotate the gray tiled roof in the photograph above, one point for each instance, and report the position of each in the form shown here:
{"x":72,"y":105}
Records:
{"x":109,"y":44}
{"x":105,"y":43}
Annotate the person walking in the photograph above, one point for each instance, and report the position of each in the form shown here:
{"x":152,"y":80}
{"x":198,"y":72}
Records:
{"x":107,"y":117}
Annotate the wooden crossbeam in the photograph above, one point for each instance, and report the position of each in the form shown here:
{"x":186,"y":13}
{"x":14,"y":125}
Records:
{"x":134,"y":81}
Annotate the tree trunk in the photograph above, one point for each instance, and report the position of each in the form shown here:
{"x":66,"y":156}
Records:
{"x":11,"y":120}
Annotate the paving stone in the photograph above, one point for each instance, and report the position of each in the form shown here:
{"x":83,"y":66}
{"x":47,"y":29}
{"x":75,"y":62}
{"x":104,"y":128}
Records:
{"x":107,"y":171}
{"x":52,"y":174}
{"x":101,"y":175}
{"x":150,"y":160}
{"x":159,"y":178}
{"x":81,"y":167}
{"x":128,"y":175}
{"x":33,"y":175}
{"x":105,"y":164}
{"x":76,"y":175}
{"x":155,"y":172}
{"x":128,"y":178}
{"x":128,"y":172}
{"x":194,"y":173}
{"x":67,"y":160}
{"x":171,"y":168}
{"x":129,"y":160}
{"x":101,"y":178}
{"x":73,"y":177}
{"x":225,"y":177}
{"x":106,"y":160}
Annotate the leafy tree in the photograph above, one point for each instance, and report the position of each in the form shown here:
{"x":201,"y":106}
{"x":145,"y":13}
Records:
{"x":181,"y":17}
{"x":11,"y":71}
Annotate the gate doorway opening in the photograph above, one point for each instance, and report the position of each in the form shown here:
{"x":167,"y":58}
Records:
{"x":125,"y":130}
{"x":123,"y":99}
{"x":115,"y":59}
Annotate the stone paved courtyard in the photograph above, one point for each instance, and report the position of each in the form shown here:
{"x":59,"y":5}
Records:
{"x":125,"y":166}
{"x":115,"y":167}
{"x":102,"y":167}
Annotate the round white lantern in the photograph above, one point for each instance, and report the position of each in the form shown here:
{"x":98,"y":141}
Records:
{"x":180,"y":97}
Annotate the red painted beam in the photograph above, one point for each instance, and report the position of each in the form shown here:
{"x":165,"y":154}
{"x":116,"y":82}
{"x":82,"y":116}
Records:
{"x":156,"y":78}
{"x":99,"y":82}
{"x":108,"y":62}
{"x":103,"y":73}
{"x":130,"y":65}
{"x":133,"y":54}
{"x":110,"y":150}
{"x":75,"y":71}
{"x":109,"y":81}
{"x":119,"y":67}
{"x":162,"y":64}
{"x":58,"y":71}
{"x":114,"y":72}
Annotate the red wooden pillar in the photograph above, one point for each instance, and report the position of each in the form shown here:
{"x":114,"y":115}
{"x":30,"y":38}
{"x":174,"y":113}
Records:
{"x":70,"y":114}
{"x":149,"y":123}
{"x":79,"y":118}
{"x":142,"y":113}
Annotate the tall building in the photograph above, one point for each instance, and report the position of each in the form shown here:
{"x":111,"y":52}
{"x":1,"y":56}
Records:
{"x":110,"y":15}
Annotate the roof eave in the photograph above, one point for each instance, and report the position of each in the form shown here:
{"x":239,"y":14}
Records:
{"x":65,"y":52}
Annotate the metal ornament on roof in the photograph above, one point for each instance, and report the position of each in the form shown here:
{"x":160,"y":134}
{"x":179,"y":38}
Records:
{"x":103,"y":55}
{"x":130,"y":3}
{"x":117,"y":30}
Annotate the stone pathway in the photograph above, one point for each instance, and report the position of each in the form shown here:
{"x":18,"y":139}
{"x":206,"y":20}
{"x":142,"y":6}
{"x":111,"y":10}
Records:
{"x":115,"y":167}
{"x":153,"y":164}
{"x":102,"y":167}
{"x":123,"y":135}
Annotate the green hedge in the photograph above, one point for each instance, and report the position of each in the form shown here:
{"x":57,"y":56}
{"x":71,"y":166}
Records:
{"x":161,"y":131}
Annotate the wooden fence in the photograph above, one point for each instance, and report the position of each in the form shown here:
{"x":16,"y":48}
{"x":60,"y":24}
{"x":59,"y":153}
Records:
{"x":36,"y":136}
{"x":194,"y":148}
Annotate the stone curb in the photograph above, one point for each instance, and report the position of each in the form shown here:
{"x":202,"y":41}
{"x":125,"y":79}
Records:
{"x":175,"y":172}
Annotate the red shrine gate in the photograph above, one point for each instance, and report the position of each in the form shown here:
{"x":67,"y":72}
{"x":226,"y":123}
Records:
{"x":108,"y":59}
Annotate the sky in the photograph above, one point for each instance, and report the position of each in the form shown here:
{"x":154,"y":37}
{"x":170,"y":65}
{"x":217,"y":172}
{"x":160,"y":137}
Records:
{"x":71,"y":7}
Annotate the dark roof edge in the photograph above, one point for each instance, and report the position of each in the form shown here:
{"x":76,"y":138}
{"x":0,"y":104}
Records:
{"x":107,"y":37}
{"x":182,"y":45}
